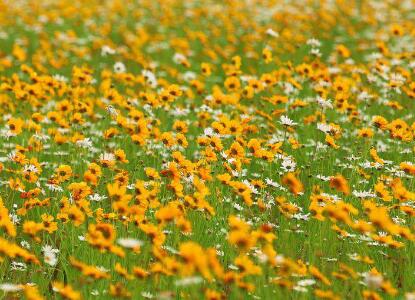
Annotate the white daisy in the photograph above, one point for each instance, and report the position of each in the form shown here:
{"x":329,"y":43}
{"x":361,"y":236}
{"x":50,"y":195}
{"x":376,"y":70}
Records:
{"x":129,"y":243}
{"x":119,"y":67}
{"x":50,"y":255}
{"x":284,"y":120}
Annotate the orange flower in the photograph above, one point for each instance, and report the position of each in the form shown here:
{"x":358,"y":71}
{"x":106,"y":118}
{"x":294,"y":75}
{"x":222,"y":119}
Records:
{"x":340,"y":183}
{"x":294,"y":184}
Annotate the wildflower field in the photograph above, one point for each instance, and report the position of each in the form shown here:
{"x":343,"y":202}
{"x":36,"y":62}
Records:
{"x":236,"y":149}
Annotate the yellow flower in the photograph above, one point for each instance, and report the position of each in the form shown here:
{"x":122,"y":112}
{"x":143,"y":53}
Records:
{"x":318,"y":275}
{"x":294,"y":184}
{"x":232,"y":83}
{"x":63,"y":172}
{"x":340,"y":183}
{"x":267,"y":55}
{"x":66,"y":291}
{"x":15,"y":125}
{"x":5,"y":221}
{"x":330,"y":141}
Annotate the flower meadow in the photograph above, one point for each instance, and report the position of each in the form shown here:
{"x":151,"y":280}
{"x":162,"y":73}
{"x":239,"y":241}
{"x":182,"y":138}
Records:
{"x":236,"y":149}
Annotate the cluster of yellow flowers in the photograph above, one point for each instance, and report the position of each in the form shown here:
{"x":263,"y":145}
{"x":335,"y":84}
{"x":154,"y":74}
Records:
{"x":188,"y":149}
